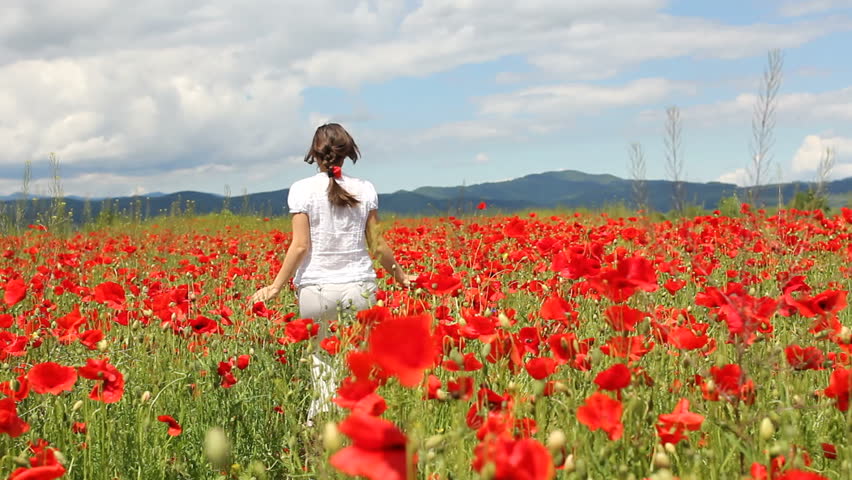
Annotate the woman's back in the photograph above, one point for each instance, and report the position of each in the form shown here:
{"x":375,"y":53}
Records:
{"x":338,"y":249}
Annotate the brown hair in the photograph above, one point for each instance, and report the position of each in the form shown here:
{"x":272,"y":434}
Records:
{"x":331,"y":145}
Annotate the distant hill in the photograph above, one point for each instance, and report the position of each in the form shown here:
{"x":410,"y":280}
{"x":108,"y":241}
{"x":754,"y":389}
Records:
{"x":566,"y":188}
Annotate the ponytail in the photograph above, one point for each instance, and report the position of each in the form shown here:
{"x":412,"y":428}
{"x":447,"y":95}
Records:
{"x":331,"y":145}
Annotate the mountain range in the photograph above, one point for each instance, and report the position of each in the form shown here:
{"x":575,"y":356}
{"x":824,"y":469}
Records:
{"x":565,"y":188}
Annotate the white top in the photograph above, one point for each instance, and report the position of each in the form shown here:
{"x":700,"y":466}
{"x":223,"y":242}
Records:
{"x":338,"y":252}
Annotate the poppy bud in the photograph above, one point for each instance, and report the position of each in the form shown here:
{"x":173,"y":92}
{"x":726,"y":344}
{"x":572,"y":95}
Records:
{"x":77,"y":405}
{"x":441,"y":395}
{"x":777,"y":449}
{"x":560,"y":387}
{"x":257,"y":470}
{"x":217,"y":448}
{"x":21,"y":461}
{"x":670,"y":448}
{"x":331,"y":437}
{"x":146,"y":395}
{"x":556,"y":440}
{"x":434,"y":441}
{"x":102,"y":345}
{"x":798,"y":401}
{"x":485,"y":350}
{"x":767,"y":429}
{"x":569,"y":466}
{"x":845,"y":335}
{"x":380,"y":303}
{"x":504,"y":320}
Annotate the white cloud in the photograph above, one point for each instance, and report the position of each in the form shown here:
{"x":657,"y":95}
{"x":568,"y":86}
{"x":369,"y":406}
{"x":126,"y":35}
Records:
{"x":834,"y":105}
{"x":738,"y":177}
{"x":191,"y":93}
{"x":813,"y":150}
{"x":578,"y":98}
{"x":481,"y":158}
{"x":795,"y":8}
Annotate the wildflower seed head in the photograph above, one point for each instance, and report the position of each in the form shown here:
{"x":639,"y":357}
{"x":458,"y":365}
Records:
{"x":434,"y":441}
{"x":845,"y":335}
{"x":217,"y":448}
{"x":331,"y":437}
{"x":556,"y":440}
{"x":767,"y":429}
{"x":569,"y":465}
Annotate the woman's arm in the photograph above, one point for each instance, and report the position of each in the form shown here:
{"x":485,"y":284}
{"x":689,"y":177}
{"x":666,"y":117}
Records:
{"x":378,"y":247}
{"x":295,"y":254}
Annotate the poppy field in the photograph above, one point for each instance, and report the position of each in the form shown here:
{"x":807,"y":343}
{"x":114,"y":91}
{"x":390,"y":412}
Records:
{"x":532,"y":346}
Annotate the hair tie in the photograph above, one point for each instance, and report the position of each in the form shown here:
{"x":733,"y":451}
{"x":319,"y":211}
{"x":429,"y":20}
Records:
{"x":335,"y":172}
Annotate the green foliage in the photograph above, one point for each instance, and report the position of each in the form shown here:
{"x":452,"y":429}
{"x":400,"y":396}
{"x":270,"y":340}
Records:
{"x":809,"y":200}
{"x":730,"y":206}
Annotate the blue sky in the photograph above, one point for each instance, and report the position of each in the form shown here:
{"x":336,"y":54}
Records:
{"x":203,"y":95}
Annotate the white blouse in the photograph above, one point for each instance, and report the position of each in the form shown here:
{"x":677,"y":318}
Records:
{"x":338,"y":252}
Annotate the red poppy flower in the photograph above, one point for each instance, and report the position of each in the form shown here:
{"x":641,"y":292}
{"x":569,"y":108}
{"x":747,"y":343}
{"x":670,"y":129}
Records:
{"x":482,"y":206}
{"x":16,"y":392}
{"x":540,"y":367}
{"x":44,"y":472}
{"x":623,"y":318}
{"x":614,"y":378}
{"x":174,"y":427}
{"x":224,"y":370}
{"x":840,"y":388}
{"x":684,"y":338}
{"x":10,"y":423}
{"x":829,"y":450}
{"x":377,"y":452}
{"x":50,"y":377}
{"x":461,"y":389}
{"x":515,"y":228}
{"x":110,"y":386}
{"x":299,"y":330}
{"x":525,"y":458}
{"x":443,"y":282}
{"x":809,"y":358}
{"x":731,"y":383}
{"x":110,"y":293}
{"x":243,"y":361}
{"x":556,"y":308}
{"x":14,"y":291}
{"x":404,"y":347}
{"x":602,"y":412}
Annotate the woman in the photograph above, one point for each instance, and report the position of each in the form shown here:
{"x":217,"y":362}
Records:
{"x":335,"y":221}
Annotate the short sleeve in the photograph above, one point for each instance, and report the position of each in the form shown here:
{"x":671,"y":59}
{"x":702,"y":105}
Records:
{"x":297,"y":199}
{"x":372,"y":200}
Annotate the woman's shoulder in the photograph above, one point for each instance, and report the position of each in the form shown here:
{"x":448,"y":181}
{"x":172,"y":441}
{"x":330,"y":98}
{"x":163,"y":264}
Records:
{"x":304,"y":182}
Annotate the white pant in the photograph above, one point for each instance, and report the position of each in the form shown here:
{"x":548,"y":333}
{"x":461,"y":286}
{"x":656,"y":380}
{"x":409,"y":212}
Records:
{"x":325,"y":303}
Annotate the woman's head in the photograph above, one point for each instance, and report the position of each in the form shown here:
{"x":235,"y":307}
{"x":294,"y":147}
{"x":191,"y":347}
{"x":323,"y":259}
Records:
{"x":331,"y":145}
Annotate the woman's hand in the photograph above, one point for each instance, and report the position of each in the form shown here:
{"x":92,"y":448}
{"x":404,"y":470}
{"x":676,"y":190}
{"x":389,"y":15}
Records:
{"x":407,"y":280}
{"x":264,"y":294}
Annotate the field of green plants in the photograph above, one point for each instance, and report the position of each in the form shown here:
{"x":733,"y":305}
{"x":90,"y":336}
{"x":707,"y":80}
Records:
{"x":534,"y":346}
